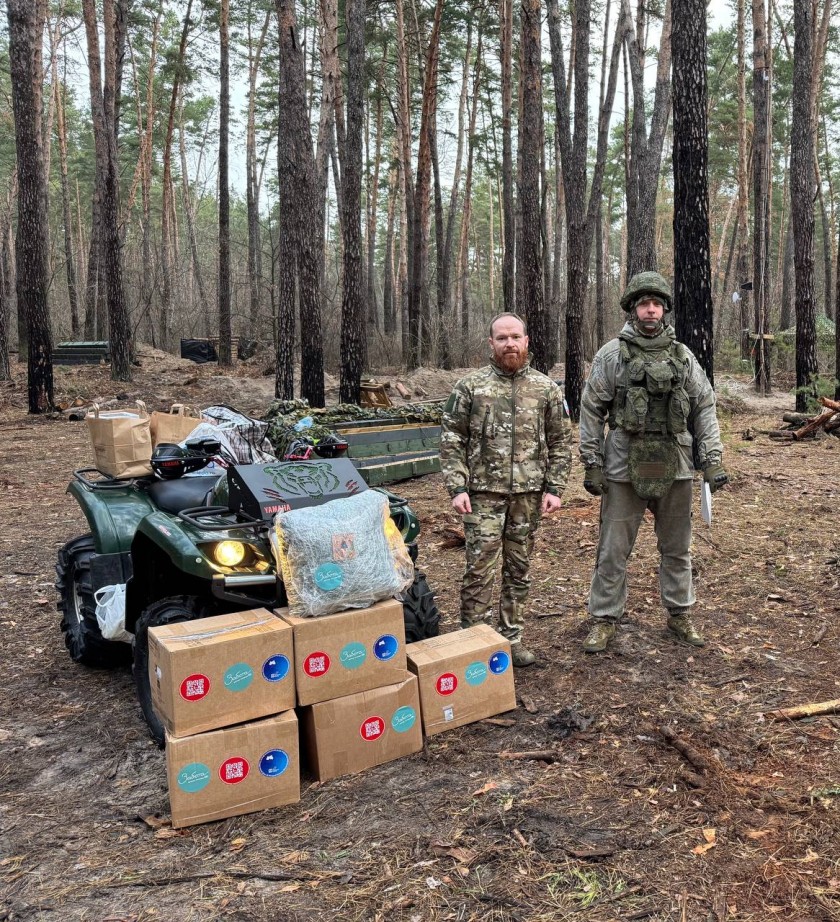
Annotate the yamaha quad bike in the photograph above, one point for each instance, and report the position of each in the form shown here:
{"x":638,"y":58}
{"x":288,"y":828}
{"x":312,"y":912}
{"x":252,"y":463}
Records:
{"x":187,"y":547}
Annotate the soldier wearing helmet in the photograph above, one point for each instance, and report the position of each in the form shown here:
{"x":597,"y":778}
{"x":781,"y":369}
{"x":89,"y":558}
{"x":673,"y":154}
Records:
{"x":659,"y":408}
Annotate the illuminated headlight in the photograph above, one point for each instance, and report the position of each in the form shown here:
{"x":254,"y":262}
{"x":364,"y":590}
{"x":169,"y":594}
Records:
{"x":229,"y":553}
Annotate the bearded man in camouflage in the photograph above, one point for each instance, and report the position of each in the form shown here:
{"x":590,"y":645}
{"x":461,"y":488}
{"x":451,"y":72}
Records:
{"x":660,"y":408}
{"x":505,"y":456}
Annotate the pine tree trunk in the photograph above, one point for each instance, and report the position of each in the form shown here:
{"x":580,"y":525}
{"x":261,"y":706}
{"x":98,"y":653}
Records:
{"x":353,"y":313}
{"x":26,"y":25}
{"x":761,"y":194}
{"x":692,"y":269}
{"x":225,"y":351}
{"x":67,"y":220}
{"x":802,"y":203}
{"x":508,"y":213}
{"x":252,"y":184}
{"x":531,"y":145}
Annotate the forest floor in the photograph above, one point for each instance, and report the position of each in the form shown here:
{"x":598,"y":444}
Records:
{"x":617,"y":826}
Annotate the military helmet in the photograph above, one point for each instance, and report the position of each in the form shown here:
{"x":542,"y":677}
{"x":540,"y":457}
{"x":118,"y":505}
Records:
{"x":646,"y":283}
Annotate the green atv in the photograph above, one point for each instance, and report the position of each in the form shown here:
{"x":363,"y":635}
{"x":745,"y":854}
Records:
{"x":187,"y":547}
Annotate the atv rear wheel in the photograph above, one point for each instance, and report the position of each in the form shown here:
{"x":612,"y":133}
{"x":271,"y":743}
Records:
{"x":82,"y":635}
{"x":421,"y":615}
{"x":167,"y":611}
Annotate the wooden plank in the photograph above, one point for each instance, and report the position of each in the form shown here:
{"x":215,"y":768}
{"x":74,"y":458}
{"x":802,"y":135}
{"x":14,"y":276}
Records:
{"x":382,"y":460}
{"x":401,"y":447}
{"x":404,"y":433}
{"x":395,"y":471}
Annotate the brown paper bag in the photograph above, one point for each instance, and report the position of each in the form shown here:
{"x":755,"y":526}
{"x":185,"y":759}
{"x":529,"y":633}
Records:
{"x":176,"y":425}
{"x":121,"y":440}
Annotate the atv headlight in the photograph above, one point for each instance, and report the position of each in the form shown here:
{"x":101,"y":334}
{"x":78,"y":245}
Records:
{"x":229,"y":553}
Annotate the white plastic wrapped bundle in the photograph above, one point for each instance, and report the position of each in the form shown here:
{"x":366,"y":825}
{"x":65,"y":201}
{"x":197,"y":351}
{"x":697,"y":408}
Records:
{"x":347,"y":553}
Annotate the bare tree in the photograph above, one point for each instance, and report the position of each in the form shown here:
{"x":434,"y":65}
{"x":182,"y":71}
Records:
{"x":646,"y":148}
{"x":508,"y":213}
{"x":353,"y":314}
{"x":761,"y":194}
{"x":580,"y":216}
{"x":530,"y":146}
{"x":692,"y":267}
{"x":225,"y":356}
{"x":802,"y":201}
{"x":26,"y":27}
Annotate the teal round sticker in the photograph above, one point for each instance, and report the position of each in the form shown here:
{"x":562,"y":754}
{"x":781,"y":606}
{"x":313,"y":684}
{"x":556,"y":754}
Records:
{"x":328,"y":576}
{"x":475,"y":673}
{"x":353,"y":655}
{"x":404,"y":719}
{"x":238,"y":677}
{"x":193,"y":777}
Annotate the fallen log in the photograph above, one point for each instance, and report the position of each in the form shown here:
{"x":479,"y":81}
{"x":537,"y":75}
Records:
{"x":831,"y":404}
{"x":704,"y":764}
{"x":537,"y":755}
{"x":816,"y":423}
{"x":798,"y":419}
{"x":814,"y":709}
{"x":781,"y":435}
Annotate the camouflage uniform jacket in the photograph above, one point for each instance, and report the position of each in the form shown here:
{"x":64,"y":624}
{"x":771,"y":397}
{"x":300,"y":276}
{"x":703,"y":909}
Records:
{"x":505,"y":433}
{"x":700,"y":445}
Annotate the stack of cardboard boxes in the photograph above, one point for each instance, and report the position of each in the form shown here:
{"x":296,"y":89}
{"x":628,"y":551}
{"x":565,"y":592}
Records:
{"x":226,"y":688}
{"x":357,"y":702}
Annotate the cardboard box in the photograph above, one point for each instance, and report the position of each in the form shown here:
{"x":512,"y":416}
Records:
{"x":221,"y":671}
{"x":349,"y":652}
{"x":232,"y":771}
{"x":464,"y":676}
{"x":359,"y":731}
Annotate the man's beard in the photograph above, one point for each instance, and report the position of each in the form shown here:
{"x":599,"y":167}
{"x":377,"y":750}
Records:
{"x":512,"y":361}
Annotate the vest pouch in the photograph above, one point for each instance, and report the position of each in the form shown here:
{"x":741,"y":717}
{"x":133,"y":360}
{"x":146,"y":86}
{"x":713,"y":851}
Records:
{"x":636,"y":370}
{"x":653,"y":462}
{"x":635,"y":410}
{"x":679,"y":408}
{"x":659,"y":377}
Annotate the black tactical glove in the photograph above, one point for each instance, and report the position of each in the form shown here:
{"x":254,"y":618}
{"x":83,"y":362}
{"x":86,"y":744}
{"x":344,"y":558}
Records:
{"x":594,"y":481}
{"x":715,"y":476}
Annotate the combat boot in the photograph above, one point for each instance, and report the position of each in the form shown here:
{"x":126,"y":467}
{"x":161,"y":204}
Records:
{"x":682,"y":627}
{"x":599,"y":637}
{"x":521,"y":656}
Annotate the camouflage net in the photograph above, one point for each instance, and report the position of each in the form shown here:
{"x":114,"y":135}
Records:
{"x":283,"y":415}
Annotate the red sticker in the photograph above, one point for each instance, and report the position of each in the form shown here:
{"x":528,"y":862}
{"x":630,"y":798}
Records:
{"x":446,"y":683}
{"x":195,"y":687}
{"x":316,"y":664}
{"x":372,"y":728}
{"x":234,"y":770}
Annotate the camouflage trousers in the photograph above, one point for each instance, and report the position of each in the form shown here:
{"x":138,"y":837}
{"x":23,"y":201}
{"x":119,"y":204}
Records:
{"x":499,"y":524}
{"x":621,"y":515}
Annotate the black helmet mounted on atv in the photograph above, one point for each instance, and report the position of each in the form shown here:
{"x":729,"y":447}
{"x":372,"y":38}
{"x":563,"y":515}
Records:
{"x":170,"y":461}
{"x":645,"y":285}
{"x":331,"y":446}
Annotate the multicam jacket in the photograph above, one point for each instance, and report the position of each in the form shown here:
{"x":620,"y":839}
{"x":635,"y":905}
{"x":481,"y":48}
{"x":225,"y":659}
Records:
{"x":505,"y":433}
{"x":699,"y":445}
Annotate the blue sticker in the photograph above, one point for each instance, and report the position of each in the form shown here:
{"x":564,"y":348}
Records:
{"x":499,"y":662}
{"x":404,"y":719}
{"x":475,"y":673}
{"x":276,"y":668}
{"x":353,"y":655}
{"x":328,"y":577}
{"x":386,"y":647}
{"x":238,"y":677}
{"x":193,"y":777}
{"x":274,"y":763}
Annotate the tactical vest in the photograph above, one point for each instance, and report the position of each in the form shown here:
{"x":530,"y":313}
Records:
{"x":650,"y":391}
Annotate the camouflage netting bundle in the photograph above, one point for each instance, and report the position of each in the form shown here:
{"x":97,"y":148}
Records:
{"x":347,"y":553}
{"x":283,"y":415}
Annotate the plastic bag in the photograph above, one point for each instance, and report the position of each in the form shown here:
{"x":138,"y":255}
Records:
{"x":110,"y":613}
{"x":347,"y":553}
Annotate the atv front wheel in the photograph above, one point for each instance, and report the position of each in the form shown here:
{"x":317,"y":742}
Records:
{"x":76,"y":603}
{"x":167,"y":611}
{"x":421,"y":615}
